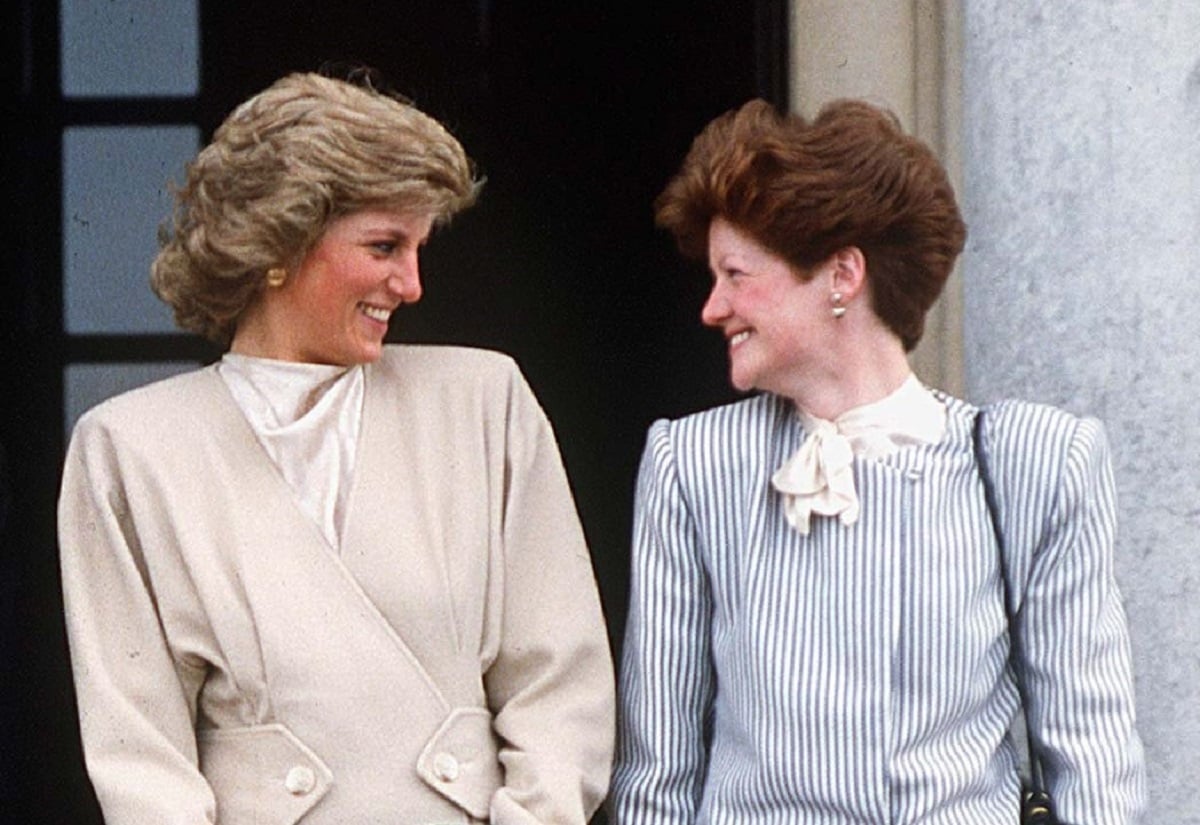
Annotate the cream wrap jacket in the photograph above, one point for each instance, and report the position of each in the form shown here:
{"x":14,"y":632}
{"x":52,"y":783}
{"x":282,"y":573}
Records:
{"x":450,"y":664}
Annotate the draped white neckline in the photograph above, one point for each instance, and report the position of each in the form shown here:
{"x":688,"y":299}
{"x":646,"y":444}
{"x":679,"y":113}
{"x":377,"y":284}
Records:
{"x":307,"y":417}
{"x":819,"y":477}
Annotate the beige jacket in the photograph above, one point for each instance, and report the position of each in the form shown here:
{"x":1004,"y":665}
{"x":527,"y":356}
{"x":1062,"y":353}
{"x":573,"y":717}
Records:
{"x":449,"y":664}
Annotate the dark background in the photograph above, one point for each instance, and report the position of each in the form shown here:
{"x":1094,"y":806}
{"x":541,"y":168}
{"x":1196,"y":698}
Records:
{"x":576,"y":112}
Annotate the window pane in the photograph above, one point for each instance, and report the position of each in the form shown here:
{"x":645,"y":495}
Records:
{"x":115,"y":196}
{"x":127,"y":48}
{"x":86,"y":385}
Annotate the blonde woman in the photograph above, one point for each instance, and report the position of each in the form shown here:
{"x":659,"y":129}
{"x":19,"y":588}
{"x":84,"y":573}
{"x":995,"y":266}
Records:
{"x":325,"y":579}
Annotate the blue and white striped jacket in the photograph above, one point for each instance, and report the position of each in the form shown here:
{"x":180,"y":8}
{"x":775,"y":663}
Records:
{"x":858,"y":674}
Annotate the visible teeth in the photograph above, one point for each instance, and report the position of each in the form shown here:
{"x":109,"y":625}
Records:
{"x":737,"y":339}
{"x":377,"y":313}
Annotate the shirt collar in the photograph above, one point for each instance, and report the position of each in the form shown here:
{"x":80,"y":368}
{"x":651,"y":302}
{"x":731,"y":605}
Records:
{"x":819,"y":478}
{"x":909,"y":415}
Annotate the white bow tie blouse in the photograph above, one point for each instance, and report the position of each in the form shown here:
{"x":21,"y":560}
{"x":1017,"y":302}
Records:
{"x":819,"y":479}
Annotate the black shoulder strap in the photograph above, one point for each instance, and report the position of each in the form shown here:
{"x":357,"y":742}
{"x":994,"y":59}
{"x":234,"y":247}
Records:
{"x":989,"y":494}
{"x":1015,"y":654}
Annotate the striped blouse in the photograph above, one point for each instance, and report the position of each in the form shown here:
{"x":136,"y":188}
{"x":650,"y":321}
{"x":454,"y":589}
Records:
{"x":858,"y":674}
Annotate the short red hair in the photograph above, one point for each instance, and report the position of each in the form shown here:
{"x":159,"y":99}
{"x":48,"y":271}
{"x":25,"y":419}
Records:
{"x":851,"y":177}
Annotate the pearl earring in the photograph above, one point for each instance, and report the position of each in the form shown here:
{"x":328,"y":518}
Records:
{"x":838,"y":309}
{"x":276,"y":276}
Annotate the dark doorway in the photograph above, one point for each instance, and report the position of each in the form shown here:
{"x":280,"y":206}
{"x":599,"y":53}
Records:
{"x":576,"y":113}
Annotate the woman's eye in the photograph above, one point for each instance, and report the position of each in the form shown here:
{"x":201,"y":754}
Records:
{"x":384,"y":247}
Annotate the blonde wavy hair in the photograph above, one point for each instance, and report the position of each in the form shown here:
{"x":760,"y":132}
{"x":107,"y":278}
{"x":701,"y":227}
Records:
{"x":303,"y":152}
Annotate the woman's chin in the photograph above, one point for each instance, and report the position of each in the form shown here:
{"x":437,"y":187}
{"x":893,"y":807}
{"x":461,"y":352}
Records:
{"x":740,"y":382}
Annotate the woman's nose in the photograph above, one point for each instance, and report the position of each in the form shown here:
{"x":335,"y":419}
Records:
{"x":715,"y":309}
{"x":405,"y":281}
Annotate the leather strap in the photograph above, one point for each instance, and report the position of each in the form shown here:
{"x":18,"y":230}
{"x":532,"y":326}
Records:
{"x":1015,"y":654}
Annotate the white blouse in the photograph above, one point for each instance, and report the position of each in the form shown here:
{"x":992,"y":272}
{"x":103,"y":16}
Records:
{"x":819,"y":477}
{"x":307,"y":418}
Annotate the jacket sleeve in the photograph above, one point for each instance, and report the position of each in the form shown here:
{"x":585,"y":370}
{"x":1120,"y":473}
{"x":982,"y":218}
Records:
{"x":136,"y":704}
{"x":1078,"y":673}
{"x":550,"y":686}
{"x":667,"y":676}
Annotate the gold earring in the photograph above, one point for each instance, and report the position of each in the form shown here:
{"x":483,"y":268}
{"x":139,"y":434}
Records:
{"x":276,"y":276}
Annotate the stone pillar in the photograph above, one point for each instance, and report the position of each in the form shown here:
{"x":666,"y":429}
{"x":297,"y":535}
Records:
{"x":1081,"y":163}
{"x":905,"y":55}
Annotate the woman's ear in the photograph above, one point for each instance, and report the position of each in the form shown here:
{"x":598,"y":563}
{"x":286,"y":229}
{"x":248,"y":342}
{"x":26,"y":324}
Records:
{"x":849,"y":272}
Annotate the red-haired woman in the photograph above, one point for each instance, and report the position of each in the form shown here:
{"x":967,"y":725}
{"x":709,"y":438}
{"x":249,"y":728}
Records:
{"x":818,"y":629}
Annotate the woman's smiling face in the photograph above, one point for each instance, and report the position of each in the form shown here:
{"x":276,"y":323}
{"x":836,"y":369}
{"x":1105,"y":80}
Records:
{"x":334,"y":308}
{"x":770,"y":316}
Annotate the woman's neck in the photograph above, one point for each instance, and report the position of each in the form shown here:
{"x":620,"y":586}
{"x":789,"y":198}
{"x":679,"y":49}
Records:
{"x":853,"y":377}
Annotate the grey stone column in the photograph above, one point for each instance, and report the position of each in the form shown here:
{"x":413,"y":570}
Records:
{"x":1081,"y":166}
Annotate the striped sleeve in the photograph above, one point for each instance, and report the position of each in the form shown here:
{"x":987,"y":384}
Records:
{"x":1078,"y":666}
{"x":666,"y":676}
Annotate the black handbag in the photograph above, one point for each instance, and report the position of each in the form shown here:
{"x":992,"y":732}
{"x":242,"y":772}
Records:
{"x":1036,"y":806}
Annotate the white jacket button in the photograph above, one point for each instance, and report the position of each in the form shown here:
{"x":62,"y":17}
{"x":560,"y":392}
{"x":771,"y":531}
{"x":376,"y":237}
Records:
{"x":300,"y":780}
{"x":445,"y":767}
